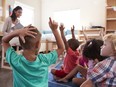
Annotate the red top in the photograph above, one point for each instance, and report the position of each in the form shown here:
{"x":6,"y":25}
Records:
{"x":70,"y":60}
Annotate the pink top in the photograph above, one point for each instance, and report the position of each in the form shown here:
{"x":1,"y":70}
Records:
{"x":83,"y":61}
{"x":70,"y":60}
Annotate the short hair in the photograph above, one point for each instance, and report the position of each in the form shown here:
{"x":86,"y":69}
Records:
{"x":30,"y":42}
{"x":112,"y":38}
{"x":73,"y":44}
{"x":92,"y":49}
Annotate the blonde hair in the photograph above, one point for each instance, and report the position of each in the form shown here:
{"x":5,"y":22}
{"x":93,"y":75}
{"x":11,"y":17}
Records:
{"x":112,"y":38}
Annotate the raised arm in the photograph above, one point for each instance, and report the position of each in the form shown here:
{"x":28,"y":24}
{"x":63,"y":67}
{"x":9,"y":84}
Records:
{"x":72,"y":31}
{"x":63,"y":36}
{"x":20,"y":32}
{"x":54,"y":25}
{"x":85,"y":36}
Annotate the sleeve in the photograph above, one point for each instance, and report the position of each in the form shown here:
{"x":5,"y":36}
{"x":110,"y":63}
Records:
{"x":5,"y":26}
{"x":11,"y":56}
{"x":99,"y":72}
{"x":73,"y":54}
{"x":49,"y":58}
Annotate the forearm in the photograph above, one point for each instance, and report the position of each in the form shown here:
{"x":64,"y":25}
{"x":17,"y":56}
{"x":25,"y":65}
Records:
{"x":72,"y":73}
{"x":58,"y":40}
{"x":64,"y":40}
{"x":87,"y":83}
{"x":9,"y":36}
{"x":73,"y":36}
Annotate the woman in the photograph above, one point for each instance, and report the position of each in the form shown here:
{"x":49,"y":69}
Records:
{"x":12,"y":23}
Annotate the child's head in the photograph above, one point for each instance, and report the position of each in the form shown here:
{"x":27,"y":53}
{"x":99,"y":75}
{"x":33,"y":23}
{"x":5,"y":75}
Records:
{"x":30,"y":42}
{"x":109,"y":46}
{"x":92,"y":49}
{"x":73,"y":44}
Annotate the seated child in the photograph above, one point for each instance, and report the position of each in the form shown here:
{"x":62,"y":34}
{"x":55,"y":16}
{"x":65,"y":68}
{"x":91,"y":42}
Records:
{"x":91,"y":52}
{"x":71,"y":55}
{"x":30,"y":69}
{"x":104,"y":73}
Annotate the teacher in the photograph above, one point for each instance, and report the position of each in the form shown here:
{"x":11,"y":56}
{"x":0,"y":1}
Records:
{"x":12,"y":23}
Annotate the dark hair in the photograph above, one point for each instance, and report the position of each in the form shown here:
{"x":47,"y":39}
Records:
{"x":92,"y":49}
{"x":30,"y":42}
{"x":13,"y":15}
{"x":73,"y":44}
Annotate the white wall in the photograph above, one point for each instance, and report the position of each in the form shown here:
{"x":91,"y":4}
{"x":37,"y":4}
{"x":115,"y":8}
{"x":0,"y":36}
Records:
{"x":92,"y":11}
{"x":36,"y":4}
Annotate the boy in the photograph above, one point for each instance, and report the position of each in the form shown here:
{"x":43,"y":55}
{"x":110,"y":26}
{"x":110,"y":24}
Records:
{"x":31,"y":69}
{"x":104,"y":73}
{"x":71,"y":57}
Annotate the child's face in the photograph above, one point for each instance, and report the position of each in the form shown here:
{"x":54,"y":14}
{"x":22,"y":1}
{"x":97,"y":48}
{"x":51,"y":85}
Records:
{"x":106,"y":49}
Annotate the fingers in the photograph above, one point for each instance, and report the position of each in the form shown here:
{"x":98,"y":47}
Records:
{"x":73,"y":27}
{"x":50,"y":20}
{"x":29,"y":25}
{"x":22,"y":38}
{"x":29,"y":34}
{"x":31,"y":28}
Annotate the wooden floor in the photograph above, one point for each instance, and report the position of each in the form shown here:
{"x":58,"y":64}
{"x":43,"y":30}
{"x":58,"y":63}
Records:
{"x":6,"y":79}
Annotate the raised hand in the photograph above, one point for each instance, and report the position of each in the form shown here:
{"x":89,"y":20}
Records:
{"x":72,"y":31}
{"x":72,"y":28}
{"x":53,"y":25}
{"x":62,"y":27}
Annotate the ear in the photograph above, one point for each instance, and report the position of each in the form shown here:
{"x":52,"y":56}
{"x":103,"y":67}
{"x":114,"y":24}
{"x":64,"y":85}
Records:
{"x":37,"y":44}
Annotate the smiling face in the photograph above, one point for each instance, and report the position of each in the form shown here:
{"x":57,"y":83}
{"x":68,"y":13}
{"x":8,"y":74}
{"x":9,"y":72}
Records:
{"x":107,"y":49}
{"x":18,"y":13}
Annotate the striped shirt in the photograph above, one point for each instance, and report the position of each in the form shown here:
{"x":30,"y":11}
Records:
{"x":104,"y":73}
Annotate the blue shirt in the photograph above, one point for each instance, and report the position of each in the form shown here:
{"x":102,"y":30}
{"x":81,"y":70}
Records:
{"x":30,"y":74}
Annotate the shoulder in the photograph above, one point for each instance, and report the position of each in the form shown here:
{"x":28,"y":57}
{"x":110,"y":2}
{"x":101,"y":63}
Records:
{"x":52,"y":53}
{"x":8,"y":19}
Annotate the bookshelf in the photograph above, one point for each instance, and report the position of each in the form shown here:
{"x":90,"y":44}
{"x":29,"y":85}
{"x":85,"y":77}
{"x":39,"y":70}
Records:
{"x":110,"y":16}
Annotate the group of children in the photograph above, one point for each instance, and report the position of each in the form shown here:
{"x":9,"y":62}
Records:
{"x":95,"y":59}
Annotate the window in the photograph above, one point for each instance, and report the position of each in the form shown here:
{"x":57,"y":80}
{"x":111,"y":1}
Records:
{"x":27,"y":15}
{"x":69,"y":18}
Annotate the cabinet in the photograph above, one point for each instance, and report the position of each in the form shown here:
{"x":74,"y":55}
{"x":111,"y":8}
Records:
{"x":90,"y":33}
{"x":110,"y":16}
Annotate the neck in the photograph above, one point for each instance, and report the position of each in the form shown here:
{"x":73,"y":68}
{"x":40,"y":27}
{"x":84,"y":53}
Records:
{"x":29,"y":55}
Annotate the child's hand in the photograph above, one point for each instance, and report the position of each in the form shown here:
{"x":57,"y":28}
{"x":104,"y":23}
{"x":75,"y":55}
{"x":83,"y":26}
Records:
{"x":63,"y":80}
{"x":62,"y":27}
{"x":26,"y":32}
{"x":72,"y":28}
{"x":53,"y":25}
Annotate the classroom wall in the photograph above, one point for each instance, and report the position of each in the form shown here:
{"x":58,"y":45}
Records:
{"x":36,"y":4}
{"x":92,"y":11}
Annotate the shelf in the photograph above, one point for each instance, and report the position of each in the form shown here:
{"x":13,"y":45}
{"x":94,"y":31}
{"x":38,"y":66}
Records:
{"x":111,"y":19}
{"x":111,"y":2}
{"x":110,"y":16}
{"x":109,"y":7}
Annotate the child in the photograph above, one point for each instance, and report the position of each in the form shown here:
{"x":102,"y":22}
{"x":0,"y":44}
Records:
{"x":91,"y":52}
{"x":70,"y":58}
{"x":104,"y":73}
{"x":29,"y":69}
